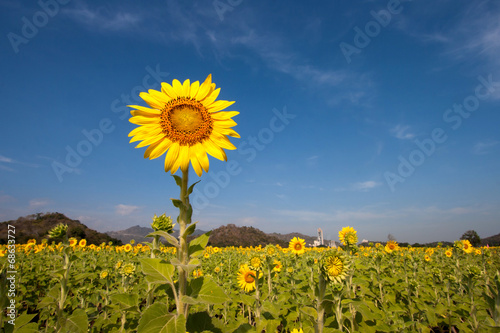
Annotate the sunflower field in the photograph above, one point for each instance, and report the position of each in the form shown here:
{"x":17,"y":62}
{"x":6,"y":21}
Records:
{"x":75,"y":287}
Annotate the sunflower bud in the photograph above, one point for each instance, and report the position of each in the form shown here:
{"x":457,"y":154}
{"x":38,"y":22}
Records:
{"x":59,"y":231}
{"x":162,"y":223}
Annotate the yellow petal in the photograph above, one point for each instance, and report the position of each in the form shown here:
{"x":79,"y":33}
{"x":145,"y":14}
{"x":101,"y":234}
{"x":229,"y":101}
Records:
{"x":151,"y":147}
{"x":145,"y":135}
{"x":222,"y":141}
{"x":168,"y":90}
{"x":139,"y":120}
{"x":214,"y":150}
{"x":196,"y":166}
{"x":194,"y":89}
{"x":178,"y":87}
{"x":161,"y":97}
{"x":150,"y":140}
{"x":159,"y":149}
{"x":225,"y":123}
{"x":144,"y":128}
{"x":145,"y":109}
{"x":204,"y":88}
{"x":224,"y":115}
{"x":211,"y":98}
{"x":171,"y":157}
{"x":184,"y":158}
{"x":187,"y":88}
{"x":201,"y":155}
{"x":151,"y":100}
{"x":143,"y":113}
{"x":227,"y":131}
{"x":219,"y":105}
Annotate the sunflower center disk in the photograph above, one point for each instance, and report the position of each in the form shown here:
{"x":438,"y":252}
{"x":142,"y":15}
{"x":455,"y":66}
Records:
{"x":249,"y":277}
{"x":186,"y":121}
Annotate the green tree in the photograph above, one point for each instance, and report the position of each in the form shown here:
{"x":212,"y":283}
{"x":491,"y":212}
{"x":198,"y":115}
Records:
{"x":472,"y":237}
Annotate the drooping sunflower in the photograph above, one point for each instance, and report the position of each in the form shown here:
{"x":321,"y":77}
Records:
{"x":297,"y":245}
{"x":186,"y":122}
{"x":348,"y":236}
{"x":334,"y":266}
{"x":246,"y":278}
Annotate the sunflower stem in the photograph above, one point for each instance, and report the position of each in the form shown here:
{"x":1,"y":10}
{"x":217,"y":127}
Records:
{"x":183,"y":245}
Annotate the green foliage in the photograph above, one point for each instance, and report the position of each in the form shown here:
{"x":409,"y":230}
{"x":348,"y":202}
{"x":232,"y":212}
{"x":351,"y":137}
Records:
{"x":472,"y":237}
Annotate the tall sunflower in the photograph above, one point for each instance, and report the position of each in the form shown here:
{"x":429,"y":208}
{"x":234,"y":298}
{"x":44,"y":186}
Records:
{"x":297,"y":245}
{"x":348,"y":236}
{"x":246,"y":278}
{"x":186,"y":122}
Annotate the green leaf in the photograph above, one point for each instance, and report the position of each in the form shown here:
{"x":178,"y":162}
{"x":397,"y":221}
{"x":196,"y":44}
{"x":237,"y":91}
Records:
{"x":197,"y":245}
{"x":310,"y":312}
{"x":157,"y":270}
{"x":178,"y":180}
{"x":178,"y":203}
{"x":126,"y":301}
{"x":189,"y":230}
{"x":77,"y":322}
{"x":22,"y":324}
{"x":190,"y":189}
{"x":155,"y":319}
{"x":205,"y":290}
{"x":168,"y":237}
{"x":52,"y":297}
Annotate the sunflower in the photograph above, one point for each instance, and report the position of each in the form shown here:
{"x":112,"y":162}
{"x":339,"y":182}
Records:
{"x":128,"y":247}
{"x":277,"y":265}
{"x":427,"y":257}
{"x":186,"y":122}
{"x":391,"y":246}
{"x":448,"y":253}
{"x":104,"y":274}
{"x":348,"y":236}
{"x":246,"y":278}
{"x":297,"y":330}
{"x":82,"y":243}
{"x":127,"y":269}
{"x":334,"y":266}
{"x":467,"y":246}
{"x":256,"y":263}
{"x":297,"y":245}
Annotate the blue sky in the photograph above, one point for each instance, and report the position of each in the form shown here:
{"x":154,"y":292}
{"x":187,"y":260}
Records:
{"x":380,"y":115}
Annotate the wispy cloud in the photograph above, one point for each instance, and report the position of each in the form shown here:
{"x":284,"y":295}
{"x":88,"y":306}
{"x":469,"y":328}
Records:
{"x":123,"y":210}
{"x":484,"y":147}
{"x":402,"y":132}
{"x":366,"y":186}
{"x":37,"y":203}
{"x":102,"y":18}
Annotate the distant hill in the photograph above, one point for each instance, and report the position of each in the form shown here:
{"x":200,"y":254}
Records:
{"x":231,"y":235}
{"x":491,"y":241}
{"x":37,"y":226}
{"x":138,"y":234}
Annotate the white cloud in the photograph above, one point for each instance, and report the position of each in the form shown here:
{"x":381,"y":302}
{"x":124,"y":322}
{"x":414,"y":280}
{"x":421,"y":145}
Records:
{"x":36,"y":203}
{"x":365,"y":186}
{"x":484,"y":147}
{"x":126,"y":209}
{"x":6,"y":159}
{"x":402,"y":132}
